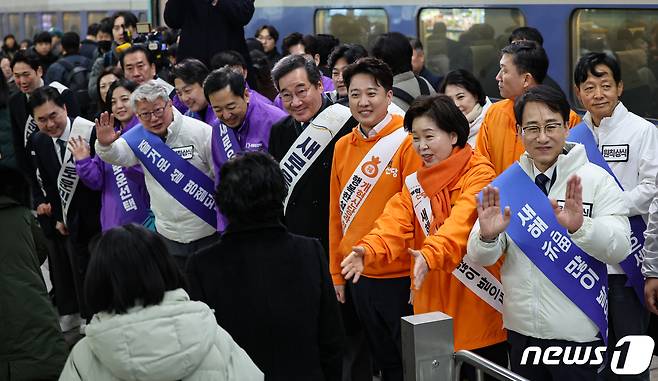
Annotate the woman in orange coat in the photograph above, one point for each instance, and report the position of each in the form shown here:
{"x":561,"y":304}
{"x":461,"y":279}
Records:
{"x":434,"y":215}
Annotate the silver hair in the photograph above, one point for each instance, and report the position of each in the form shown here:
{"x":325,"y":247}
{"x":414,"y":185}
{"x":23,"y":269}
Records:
{"x":148,"y":92}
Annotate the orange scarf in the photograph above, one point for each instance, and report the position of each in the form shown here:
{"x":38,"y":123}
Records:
{"x":438,"y":180}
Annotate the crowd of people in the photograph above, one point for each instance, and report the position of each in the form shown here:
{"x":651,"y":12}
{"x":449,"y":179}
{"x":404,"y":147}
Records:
{"x":237,"y":212}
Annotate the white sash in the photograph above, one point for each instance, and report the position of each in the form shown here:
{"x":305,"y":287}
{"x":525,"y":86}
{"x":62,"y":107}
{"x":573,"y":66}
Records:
{"x":67,"y":180}
{"x":479,"y":284}
{"x":366,"y":175}
{"x":31,"y":124}
{"x":310,"y":143}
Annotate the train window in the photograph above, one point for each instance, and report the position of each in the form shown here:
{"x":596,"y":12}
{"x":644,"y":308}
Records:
{"x":15,"y":24}
{"x":352,"y":25}
{"x":32,"y":26}
{"x":467,"y":38}
{"x":48,"y":20}
{"x":631,"y":35}
{"x":93,"y":17}
{"x":71,"y":22}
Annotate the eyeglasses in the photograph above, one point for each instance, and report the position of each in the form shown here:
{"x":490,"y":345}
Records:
{"x":533,"y":131}
{"x":157,"y":112}
{"x":300,"y":93}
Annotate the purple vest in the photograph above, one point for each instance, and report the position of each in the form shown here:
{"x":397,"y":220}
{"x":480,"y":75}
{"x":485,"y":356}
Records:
{"x":124,"y":198}
{"x":252,"y":135}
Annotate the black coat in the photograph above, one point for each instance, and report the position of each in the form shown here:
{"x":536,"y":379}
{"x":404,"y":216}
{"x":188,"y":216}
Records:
{"x":206,"y":29}
{"x":271,"y":291}
{"x":83,"y":217}
{"x":308,"y":207}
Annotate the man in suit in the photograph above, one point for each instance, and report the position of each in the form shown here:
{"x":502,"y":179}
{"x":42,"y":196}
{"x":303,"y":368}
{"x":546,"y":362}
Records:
{"x":28,"y":73}
{"x":307,"y":208}
{"x":74,"y":207}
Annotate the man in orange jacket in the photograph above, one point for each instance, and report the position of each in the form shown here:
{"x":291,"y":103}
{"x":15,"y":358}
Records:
{"x":369,"y":167}
{"x":523,"y":65}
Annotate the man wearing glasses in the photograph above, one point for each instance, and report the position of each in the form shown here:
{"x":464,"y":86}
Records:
{"x":303,"y":143}
{"x":175,"y":153}
{"x":558,"y":219}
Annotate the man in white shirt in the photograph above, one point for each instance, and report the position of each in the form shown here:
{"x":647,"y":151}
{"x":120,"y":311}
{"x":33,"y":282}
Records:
{"x":629,"y":144}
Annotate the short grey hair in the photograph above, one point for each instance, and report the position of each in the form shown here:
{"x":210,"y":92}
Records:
{"x":148,"y":92}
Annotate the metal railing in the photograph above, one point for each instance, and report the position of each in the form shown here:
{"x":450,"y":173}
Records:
{"x":428,"y":352}
{"x":483,"y":366}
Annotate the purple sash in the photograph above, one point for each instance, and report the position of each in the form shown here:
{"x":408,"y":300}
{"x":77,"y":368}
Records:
{"x":124,"y":197}
{"x":535,"y":230}
{"x":632,"y":265}
{"x":226,"y":142}
{"x":185,"y":182}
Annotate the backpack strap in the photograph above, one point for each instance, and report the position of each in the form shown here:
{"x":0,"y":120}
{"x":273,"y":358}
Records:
{"x":408,"y":98}
{"x":422,"y":85}
{"x":401,"y":94}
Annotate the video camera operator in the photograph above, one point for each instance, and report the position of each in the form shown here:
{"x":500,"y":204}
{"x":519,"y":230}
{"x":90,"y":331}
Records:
{"x":124,"y":26}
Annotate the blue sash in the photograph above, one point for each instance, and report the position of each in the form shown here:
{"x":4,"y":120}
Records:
{"x":226,"y":142}
{"x":535,"y":230}
{"x":223,"y":136}
{"x":170,"y":170}
{"x":632,"y":265}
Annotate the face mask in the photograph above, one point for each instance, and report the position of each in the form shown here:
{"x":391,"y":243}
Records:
{"x":104,"y":46}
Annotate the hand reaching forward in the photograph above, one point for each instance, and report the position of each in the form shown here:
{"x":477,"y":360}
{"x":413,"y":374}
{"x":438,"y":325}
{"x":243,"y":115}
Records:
{"x":353,"y":264}
{"x":492,"y":222}
{"x":571,"y":215}
{"x":79,"y":148}
{"x":105,"y":129}
{"x":420,"y":267}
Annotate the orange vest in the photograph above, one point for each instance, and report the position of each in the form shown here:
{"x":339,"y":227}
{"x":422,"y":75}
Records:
{"x":348,"y":153}
{"x":498,"y":139}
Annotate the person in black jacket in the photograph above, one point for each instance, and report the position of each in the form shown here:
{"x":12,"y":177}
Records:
{"x":270,"y":289}
{"x":82,"y":220}
{"x":209,"y":27}
{"x":307,"y":211}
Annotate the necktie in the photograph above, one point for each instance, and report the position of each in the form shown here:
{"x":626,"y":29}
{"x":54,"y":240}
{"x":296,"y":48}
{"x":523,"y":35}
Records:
{"x":542,"y":180}
{"x":62,"y":149}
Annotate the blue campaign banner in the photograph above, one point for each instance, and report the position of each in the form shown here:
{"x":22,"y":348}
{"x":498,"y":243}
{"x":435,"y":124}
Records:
{"x":183,"y":181}
{"x":226,"y":142}
{"x":536,"y":231}
{"x":632,"y":265}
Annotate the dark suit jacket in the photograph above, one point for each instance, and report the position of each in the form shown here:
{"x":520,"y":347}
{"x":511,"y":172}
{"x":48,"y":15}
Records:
{"x":271,"y":291}
{"x":308,"y":207}
{"x":83,"y":217}
{"x":19,"y":111}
